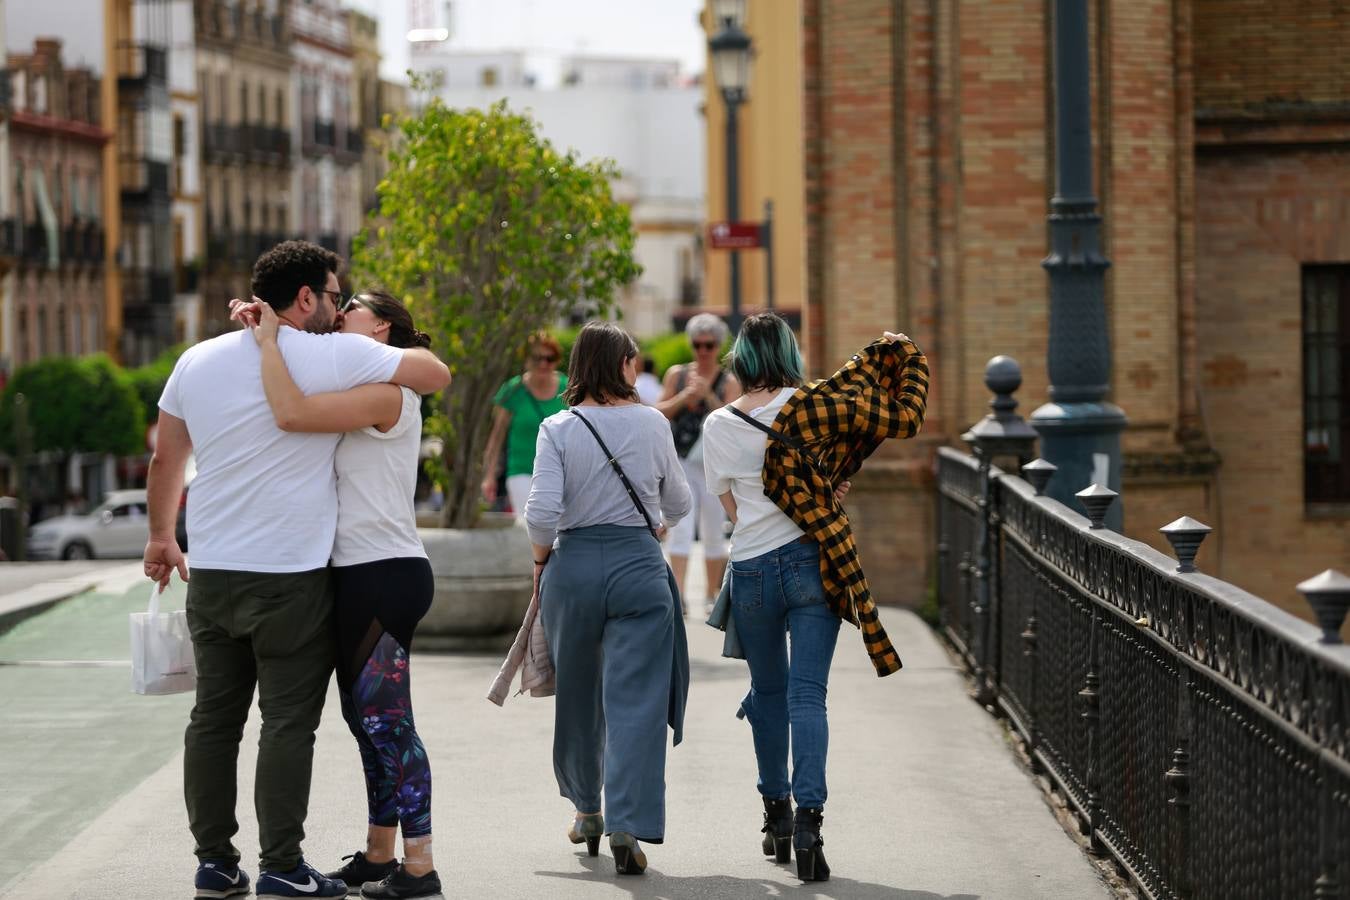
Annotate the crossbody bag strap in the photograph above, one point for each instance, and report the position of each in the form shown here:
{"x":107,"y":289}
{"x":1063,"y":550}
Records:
{"x":628,"y":485}
{"x":792,"y":442}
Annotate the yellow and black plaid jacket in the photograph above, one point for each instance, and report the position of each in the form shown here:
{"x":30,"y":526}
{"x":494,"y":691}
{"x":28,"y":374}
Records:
{"x":830,"y":427}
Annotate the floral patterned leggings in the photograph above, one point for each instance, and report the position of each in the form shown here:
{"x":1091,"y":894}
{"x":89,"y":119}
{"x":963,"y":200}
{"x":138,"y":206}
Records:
{"x":378,"y":607}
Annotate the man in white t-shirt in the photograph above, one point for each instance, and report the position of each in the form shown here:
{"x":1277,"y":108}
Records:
{"x":261,"y":518}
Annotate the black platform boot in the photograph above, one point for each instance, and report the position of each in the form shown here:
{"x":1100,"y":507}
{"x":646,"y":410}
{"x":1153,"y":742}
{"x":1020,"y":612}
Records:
{"x":778,"y":829}
{"x":806,"y":841}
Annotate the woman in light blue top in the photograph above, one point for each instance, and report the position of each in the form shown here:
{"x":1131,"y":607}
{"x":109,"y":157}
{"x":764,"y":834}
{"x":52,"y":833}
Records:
{"x":609,"y":605}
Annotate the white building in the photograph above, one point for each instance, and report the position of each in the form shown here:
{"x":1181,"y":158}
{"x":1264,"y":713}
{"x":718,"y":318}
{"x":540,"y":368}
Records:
{"x":185,"y":176}
{"x":639,"y":112}
{"x":326,"y":178}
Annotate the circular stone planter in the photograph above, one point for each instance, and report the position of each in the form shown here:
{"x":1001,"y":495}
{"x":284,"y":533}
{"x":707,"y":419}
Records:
{"x":483,"y":586}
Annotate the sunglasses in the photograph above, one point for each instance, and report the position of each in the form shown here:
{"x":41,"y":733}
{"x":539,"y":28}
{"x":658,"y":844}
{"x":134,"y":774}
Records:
{"x":539,"y":357}
{"x":704,"y":345}
{"x":350,"y":304}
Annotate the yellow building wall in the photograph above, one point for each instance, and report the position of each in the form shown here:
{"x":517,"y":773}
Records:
{"x":771,"y":163}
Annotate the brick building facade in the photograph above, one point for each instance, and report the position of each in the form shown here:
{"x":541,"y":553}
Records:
{"x":1222,"y":145}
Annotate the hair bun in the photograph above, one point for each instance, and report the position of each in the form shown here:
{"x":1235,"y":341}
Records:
{"x":421,"y":338}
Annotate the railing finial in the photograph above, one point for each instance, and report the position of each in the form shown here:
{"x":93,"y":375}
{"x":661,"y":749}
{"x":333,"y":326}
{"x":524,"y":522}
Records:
{"x":1329,"y":596}
{"x":1003,"y":376}
{"x":1002,"y":432}
{"x":1097,"y":499}
{"x":1039,"y":472}
{"x":1185,"y":535}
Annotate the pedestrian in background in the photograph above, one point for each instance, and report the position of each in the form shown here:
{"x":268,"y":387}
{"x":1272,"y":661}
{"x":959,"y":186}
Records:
{"x":261,"y":516}
{"x":690,"y":393}
{"x":796,"y":575}
{"x":648,"y":385}
{"x":519,"y":407}
{"x":606,"y":474}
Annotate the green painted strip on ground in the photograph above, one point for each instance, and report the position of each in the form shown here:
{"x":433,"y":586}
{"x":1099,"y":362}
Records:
{"x":75,"y":738}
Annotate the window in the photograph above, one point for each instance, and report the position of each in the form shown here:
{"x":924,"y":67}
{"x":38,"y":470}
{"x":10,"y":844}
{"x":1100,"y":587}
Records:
{"x":1326,"y":374}
{"x":243,"y":104}
{"x":20,"y":195}
{"x":179,"y":152}
{"x":488,"y":77}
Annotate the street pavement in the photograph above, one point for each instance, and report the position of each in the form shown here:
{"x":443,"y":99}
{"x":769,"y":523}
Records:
{"x":926,"y":800}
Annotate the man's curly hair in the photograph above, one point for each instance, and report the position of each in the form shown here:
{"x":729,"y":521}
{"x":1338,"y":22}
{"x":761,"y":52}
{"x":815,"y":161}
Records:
{"x":279,"y":273}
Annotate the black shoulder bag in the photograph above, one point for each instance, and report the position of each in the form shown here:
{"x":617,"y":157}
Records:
{"x":628,"y":485}
{"x":792,"y":442}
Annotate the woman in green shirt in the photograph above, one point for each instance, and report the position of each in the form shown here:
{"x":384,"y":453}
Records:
{"x":521,"y":404}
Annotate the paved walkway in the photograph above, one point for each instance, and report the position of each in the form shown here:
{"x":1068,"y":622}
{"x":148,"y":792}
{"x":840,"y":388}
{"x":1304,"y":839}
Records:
{"x":926,"y":801}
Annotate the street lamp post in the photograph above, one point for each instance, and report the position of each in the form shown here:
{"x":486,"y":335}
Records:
{"x":729,"y":49}
{"x":1079,"y":429}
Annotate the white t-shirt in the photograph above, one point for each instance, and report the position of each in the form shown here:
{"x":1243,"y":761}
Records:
{"x":733,"y":460}
{"x":264,"y":500}
{"x":376,"y":479}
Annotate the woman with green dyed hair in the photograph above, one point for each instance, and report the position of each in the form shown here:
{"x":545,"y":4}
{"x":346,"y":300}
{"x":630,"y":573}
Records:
{"x":786,"y":621}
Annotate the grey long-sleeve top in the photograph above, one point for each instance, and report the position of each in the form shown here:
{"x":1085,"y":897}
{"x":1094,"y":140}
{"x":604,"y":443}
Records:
{"x":575,"y":486}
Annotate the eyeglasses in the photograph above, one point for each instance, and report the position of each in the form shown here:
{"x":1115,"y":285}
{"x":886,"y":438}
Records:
{"x":351,"y":304}
{"x":337,"y":297}
{"x":704,"y":345}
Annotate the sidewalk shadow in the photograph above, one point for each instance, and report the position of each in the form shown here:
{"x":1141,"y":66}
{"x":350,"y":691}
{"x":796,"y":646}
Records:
{"x":656,"y":886}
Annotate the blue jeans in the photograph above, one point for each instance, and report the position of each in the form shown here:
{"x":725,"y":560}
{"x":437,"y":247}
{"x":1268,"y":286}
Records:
{"x":772,"y":596}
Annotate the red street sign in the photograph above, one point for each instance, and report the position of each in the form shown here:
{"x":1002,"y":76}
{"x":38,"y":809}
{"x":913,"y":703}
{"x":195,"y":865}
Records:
{"x":734,"y":236}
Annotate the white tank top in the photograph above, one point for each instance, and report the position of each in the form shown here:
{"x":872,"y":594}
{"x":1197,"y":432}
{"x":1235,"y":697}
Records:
{"x":376,"y":478}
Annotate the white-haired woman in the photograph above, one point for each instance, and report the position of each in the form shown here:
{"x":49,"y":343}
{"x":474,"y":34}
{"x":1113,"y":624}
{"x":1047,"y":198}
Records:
{"x":689,"y":393}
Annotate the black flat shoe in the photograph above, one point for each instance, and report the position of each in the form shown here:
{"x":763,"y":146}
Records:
{"x":628,"y":856}
{"x":401,"y":884}
{"x":359,"y":870}
{"x":809,"y":846}
{"x":778,"y":829}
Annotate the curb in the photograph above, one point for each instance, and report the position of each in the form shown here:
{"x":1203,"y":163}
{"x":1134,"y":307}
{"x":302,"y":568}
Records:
{"x":30,"y":601}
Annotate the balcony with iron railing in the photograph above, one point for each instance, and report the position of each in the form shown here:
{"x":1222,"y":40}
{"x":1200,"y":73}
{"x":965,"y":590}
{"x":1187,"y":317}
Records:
{"x":144,"y":181}
{"x":82,"y":242}
{"x":265,"y":143}
{"x":146,"y":288}
{"x":1199,"y":735}
{"x":219,"y":140}
{"x":353,"y":144}
{"x":33,"y":243}
{"x":238,"y":249}
{"x":140,"y":66}
{"x":318,"y":137}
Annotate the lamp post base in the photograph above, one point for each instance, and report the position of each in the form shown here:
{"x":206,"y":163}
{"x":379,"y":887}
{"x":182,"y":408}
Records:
{"x":1083,"y":441}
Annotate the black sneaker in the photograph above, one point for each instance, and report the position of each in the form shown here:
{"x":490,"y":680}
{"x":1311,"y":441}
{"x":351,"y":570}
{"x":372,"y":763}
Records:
{"x":218,"y":878}
{"x":400,"y":884}
{"x":360,"y":870}
{"x":302,"y":881}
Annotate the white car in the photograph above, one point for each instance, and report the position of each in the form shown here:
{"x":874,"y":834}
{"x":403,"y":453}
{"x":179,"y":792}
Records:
{"x":118,"y":528}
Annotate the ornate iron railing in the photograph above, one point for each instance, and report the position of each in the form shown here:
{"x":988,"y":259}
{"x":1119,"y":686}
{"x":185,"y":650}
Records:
{"x":1200,"y":734}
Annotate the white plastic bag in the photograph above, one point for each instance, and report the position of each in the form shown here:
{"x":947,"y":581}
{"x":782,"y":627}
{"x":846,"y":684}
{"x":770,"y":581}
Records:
{"x":161,"y":650}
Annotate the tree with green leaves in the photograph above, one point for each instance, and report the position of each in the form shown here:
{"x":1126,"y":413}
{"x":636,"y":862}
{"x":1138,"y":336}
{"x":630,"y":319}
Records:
{"x":85,"y":405}
{"x":488,"y":234}
{"x":149,"y":380}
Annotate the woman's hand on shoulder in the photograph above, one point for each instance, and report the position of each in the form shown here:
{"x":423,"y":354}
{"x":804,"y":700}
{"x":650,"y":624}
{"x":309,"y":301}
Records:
{"x":258,"y":316}
{"x":265,"y":332}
